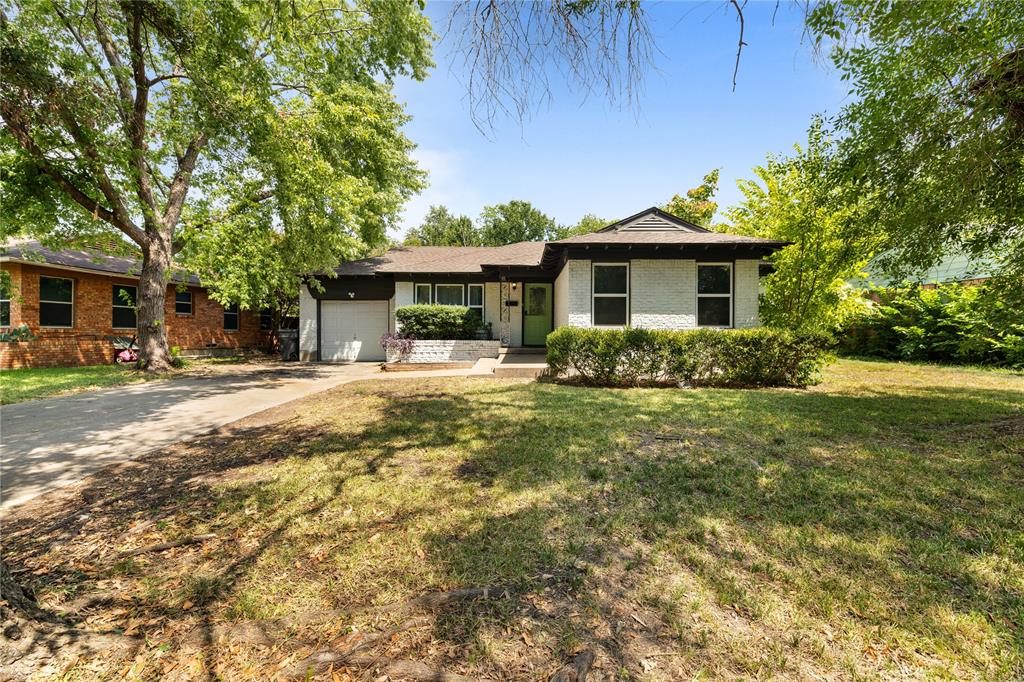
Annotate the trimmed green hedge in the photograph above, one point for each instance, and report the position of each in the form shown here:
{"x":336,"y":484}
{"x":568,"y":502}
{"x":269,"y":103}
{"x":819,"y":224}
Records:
{"x":698,"y":357}
{"x":433,"y":322}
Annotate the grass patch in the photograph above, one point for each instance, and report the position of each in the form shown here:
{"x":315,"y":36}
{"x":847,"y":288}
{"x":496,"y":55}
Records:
{"x":17,"y":385}
{"x":866,"y":528}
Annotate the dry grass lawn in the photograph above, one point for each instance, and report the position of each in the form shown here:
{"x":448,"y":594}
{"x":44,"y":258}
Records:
{"x":871,"y":527}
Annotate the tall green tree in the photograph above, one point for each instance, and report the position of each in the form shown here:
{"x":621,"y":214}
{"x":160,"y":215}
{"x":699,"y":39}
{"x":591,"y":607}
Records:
{"x":699,"y":205}
{"x":587,"y":224}
{"x":251,"y":141}
{"x":515,"y":221}
{"x":798,"y":199}
{"x":936,"y":121}
{"x":441,"y":228}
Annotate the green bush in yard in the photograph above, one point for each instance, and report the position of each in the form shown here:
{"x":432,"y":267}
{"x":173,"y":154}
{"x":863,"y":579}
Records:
{"x":432,"y":322}
{"x":952,"y":323}
{"x":698,"y":357}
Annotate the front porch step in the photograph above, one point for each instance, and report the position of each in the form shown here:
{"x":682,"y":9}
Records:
{"x":521,"y":365}
{"x":520,"y":350}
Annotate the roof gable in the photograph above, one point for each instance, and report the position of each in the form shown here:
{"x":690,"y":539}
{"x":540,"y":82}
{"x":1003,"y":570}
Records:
{"x":653,"y":219}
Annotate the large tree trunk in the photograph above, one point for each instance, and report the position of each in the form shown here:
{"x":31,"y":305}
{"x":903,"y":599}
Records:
{"x":154,"y":354}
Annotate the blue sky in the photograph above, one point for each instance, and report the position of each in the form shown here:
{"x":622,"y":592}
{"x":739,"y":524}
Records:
{"x":581,"y":155}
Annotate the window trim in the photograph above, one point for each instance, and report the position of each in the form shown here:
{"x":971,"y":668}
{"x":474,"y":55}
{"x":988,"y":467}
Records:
{"x":416,"y":293}
{"x":696,"y":289}
{"x":238,"y":318}
{"x":191,"y":303}
{"x":72,"y":304}
{"x":121,"y":305}
{"x":594,"y":294}
{"x":461,"y":288}
{"x":5,"y":297}
{"x":483,"y":299}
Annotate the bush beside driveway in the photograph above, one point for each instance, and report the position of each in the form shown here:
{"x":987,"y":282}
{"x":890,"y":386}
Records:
{"x":865,"y":527}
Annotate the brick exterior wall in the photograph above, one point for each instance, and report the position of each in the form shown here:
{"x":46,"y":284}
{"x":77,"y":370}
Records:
{"x":448,"y":351}
{"x":86,"y":344}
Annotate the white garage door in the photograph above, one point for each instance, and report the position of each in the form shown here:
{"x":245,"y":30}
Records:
{"x":352,"y":330}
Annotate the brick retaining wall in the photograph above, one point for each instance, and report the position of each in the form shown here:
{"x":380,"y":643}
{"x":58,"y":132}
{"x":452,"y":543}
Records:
{"x":448,"y":351}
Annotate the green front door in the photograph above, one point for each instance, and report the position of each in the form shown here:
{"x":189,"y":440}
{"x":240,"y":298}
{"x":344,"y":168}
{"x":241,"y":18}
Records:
{"x":536,"y":313}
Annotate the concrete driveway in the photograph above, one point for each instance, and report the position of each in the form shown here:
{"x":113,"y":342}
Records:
{"x":47,"y":444}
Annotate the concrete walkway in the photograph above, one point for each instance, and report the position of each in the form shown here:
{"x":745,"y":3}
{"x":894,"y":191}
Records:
{"x":47,"y":444}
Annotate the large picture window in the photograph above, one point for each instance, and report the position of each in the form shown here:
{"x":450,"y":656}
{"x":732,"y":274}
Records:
{"x":476,"y":299}
{"x":423,"y":294}
{"x":56,"y":302}
{"x":183,"y":302}
{"x":231,"y":317}
{"x":124,"y":307}
{"x":5,"y":306}
{"x":449,"y":294}
{"x":714,"y":294}
{"x":611,"y":294}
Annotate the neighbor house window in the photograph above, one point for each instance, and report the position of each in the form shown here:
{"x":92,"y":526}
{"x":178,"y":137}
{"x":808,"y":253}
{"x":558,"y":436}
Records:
{"x":423,"y":294}
{"x":5,"y":306}
{"x":124,"y":307}
{"x":56,"y":302}
{"x":449,"y":294}
{"x":611,"y":294}
{"x":231,"y":317}
{"x":183,"y":302}
{"x":714,"y":294}
{"x":476,"y":299}
{"x":266,"y":319}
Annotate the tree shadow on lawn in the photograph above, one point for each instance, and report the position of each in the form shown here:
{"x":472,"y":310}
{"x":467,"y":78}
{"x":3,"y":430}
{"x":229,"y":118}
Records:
{"x":853,"y":512}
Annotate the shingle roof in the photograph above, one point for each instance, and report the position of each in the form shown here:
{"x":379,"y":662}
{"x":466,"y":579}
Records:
{"x":442,"y":259}
{"x":31,"y":251}
{"x":666,"y":237}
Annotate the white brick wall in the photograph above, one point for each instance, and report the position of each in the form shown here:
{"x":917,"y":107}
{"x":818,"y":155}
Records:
{"x":448,"y":351}
{"x":745,"y":305}
{"x":578,"y":299}
{"x":307,"y":325}
{"x":663,"y":294}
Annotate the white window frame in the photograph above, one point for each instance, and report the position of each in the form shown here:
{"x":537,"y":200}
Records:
{"x":416,"y":294}
{"x":191,"y":303}
{"x":460,"y":287}
{"x":123,"y":305}
{"x":594,"y":294}
{"x":696,"y":288}
{"x":72,"y":304}
{"x":469,"y":299}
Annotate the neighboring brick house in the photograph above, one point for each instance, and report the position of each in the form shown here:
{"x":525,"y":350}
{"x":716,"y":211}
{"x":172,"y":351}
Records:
{"x":650,"y":270}
{"x":72,"y":302}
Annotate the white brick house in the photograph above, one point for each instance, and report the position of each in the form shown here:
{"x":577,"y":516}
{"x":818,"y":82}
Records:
{"x":650,"y":270}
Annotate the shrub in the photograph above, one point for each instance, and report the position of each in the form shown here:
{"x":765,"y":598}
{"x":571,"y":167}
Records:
{"x":397,"y":344}
{"x":699,"y":357}
{"x":432,"y":322}
{"x":951,"y":323}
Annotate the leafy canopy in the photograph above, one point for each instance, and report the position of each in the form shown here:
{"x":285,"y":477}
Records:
{"x":515,"y":221}
{"x":935,"y":127}
{"x":698,"y":206}
{"x":797,"y":199}
{"x":441,"y":228}
{"x":252,"y":140}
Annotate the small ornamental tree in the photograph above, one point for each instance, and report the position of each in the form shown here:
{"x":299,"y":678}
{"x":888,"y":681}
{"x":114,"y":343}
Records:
{"x":249,"y":141}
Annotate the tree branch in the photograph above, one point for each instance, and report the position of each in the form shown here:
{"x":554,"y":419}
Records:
{"x":133,"y":16}
{"x":741,"y":45}
{"x":180,"y":183}
{"x":16,"y":125}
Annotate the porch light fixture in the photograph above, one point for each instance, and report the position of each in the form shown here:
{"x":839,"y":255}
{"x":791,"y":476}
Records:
{"x":351,"y":294}
{"x":514,"y":285}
